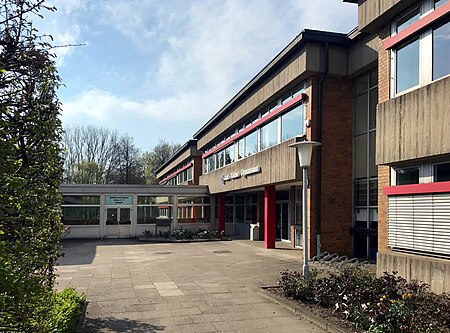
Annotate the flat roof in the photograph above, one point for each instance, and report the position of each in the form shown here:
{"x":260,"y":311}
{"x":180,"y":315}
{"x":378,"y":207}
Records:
{"x":306,"y":35}
{"x":176,"y":154}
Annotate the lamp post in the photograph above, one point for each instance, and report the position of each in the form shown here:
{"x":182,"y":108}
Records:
{"x":304,"y":150}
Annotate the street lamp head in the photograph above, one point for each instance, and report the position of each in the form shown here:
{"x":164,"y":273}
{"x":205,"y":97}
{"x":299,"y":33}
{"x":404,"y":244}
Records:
{"x":304,"y":149}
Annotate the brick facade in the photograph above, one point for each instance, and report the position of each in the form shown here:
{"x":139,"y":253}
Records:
{"x":384,"y":177}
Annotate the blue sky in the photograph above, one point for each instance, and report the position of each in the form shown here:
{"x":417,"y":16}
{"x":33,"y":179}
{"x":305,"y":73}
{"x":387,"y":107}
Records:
{"x":159,"y":69}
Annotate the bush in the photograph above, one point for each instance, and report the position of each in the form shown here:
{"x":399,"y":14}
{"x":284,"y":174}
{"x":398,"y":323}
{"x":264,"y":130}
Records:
{"x":206,"y":234}
{"x":67,"y":307}
{"x":387,"y":304}
{"x":183,"y":234}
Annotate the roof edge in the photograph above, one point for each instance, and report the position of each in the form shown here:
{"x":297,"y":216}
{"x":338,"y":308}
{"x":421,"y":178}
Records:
{"x":307,"y":35}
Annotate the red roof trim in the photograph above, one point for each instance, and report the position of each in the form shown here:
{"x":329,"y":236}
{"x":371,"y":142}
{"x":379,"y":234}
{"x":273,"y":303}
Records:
{"x":300,"y":98}
{"x":421,"y":24}
{"x":187,"y":166}
{"x":438,"y":187}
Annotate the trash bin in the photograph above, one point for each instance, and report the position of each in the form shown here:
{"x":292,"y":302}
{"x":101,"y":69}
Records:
{"x":254,"y":232}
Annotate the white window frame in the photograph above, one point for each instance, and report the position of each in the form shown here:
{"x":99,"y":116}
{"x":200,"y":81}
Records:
{"x":425,"y":50}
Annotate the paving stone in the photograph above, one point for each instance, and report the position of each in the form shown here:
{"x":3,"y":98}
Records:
{"x":131,"y":288}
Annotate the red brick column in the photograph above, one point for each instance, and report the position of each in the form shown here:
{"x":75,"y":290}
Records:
{"x":269,"y":217}
{"x":221,"y":212}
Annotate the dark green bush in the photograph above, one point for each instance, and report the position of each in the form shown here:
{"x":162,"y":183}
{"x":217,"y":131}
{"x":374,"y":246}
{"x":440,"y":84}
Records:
{"x":206,"y":234}
{"x":67,"y":307}
{"x":387,"y":304}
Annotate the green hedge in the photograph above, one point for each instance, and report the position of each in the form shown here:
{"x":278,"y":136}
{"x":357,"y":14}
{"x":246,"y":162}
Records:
{"x":67,"y":307}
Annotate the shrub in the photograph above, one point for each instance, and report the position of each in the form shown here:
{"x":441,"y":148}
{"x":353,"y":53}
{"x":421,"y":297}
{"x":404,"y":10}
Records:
{"x":183,"y":234}
{"x":387,"y":304}
{"x":206,"y":234}
{"x":67,"y":307}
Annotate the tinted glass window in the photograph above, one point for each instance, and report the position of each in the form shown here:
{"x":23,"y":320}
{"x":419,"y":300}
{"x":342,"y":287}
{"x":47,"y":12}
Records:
{"x":407,"y":176}
{"x":442,"y":172}
{"x":441,"y":51}
{"x":81,"y":200}
{"x":407,"y":74}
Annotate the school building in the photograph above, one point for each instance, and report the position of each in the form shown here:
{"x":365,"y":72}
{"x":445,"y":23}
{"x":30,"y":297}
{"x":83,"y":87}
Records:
{"x":379,"y":185}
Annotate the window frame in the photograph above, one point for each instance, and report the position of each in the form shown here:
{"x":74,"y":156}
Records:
{"x":425,"y":38}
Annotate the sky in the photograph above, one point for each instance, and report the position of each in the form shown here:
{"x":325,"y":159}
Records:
{"x":160,"y":69}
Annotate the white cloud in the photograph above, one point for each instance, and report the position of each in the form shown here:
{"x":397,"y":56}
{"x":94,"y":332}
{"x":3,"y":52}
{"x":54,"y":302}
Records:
{"x":202,"y":52}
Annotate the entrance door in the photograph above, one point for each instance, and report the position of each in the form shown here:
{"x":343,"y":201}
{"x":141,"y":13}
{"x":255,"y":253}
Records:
{"x":118,"y":222}
{"x":283,"y":223}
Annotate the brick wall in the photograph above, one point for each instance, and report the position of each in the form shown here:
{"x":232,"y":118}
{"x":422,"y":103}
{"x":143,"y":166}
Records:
{"x":336,"y":154}
{"x":383,"y":170}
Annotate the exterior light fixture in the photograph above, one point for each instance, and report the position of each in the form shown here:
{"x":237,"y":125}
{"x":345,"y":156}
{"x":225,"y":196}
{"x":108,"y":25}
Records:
{"x":304,"y":150}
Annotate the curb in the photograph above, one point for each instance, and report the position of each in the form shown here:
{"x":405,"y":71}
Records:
{"x":297,"y":309}
{"x":165,"y":240}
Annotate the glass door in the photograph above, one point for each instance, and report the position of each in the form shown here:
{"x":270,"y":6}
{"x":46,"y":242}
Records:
{"x":118,"y":222}
{"x":283,"y":223}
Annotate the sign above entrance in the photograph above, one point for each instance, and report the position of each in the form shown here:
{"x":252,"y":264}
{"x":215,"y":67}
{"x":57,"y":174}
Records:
{"x":118,"y":199}
{"x":240,"y":174}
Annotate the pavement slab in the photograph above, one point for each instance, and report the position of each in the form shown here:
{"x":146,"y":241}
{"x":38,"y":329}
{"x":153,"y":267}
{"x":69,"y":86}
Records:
{"x":181,"y":287}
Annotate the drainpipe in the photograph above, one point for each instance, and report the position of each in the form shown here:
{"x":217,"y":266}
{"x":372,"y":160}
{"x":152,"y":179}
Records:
{"x":319,"y":150}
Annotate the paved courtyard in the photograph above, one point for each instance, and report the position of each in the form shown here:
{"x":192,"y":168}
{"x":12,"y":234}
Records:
{"x":189,"y":287}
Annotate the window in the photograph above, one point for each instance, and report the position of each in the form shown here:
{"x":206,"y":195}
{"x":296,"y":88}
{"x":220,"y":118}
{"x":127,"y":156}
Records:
{"x":241,"y":150}
{"x":193,"y":209}
{"x":422,"y":58}
{"x":81,"y":210}
{"x":150,"y":209}
{"x":441,"y":172}
{"x":406,"y":176}
{"x":365,"y":182}
{"x":441,"y":51}
{"x":408,"y":19}
{"x":229,"y":155}
{"x":281,"y":127}
{"x":269,"y":134}
{"x":439,"y":3}
{"x":251,"y":144}
{"x":407,"y":74}
{"x":292,"y":123}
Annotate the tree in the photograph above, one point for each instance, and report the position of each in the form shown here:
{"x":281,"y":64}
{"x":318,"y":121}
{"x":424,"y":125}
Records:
{"x":154,"y":159}
{"x":30,"y":169}
{"x":95,"y":155}
{"x":129,"y":169}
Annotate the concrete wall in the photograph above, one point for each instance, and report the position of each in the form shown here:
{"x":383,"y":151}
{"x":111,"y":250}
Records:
{"x":285,"y":160}
{"x":374,"y":13}
{"x":414,"y":125}
{"x":434,"y":271}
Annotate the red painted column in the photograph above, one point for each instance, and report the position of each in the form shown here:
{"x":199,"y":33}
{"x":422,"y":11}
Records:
{"x":221,"y":212}
{"x":269,"y":217}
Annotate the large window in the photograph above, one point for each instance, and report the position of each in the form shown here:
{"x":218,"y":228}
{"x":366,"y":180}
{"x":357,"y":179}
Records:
{"x":280,"y":127}
{"x":81,"y":210}
{"x":441,"y":51}
{"x":365,"y":181}
{"x":251,"y":144}
{"x":407,"y":75}
{"x":269,"y":134}
{"x":423,"y":57}
{"x":150,"y":209}
{"x":292,"y":123}
{"x":193,"y":209}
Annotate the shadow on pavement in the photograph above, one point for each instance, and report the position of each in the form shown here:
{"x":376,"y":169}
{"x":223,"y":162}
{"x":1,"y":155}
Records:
{"x":110,"y":324}
{"x":74,"y":254}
